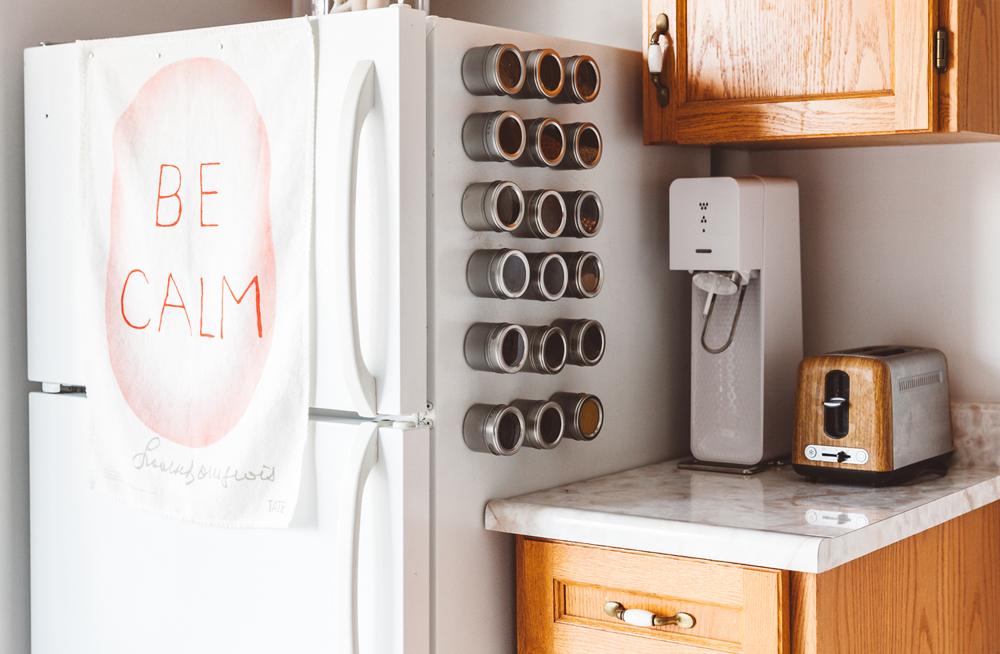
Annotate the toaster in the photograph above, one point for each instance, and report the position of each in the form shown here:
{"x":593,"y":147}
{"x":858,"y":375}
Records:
{"x":876,"y":415}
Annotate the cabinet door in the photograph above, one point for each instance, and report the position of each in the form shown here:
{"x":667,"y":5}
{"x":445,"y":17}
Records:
{"x":753,"y":70}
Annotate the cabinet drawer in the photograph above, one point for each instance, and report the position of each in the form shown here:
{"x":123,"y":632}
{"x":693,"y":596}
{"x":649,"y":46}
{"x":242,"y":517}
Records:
{"x":562,"y":590}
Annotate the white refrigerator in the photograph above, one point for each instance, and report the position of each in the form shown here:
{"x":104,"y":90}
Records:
{"x":106,"y":578}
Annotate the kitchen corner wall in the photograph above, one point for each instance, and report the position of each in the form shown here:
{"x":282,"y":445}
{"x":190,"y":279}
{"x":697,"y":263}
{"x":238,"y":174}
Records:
{"x":899,"y":245}
{"x":617,"y":23}
{"x":24,"y":24}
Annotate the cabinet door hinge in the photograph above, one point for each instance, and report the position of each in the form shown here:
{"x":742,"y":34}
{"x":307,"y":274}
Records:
{"x":941,"y":49}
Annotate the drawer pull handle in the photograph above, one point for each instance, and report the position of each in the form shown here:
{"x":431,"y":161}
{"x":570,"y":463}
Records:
{"x":640,"y":618}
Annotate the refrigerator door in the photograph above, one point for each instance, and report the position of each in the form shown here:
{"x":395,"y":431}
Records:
{"x":108,"y":579}
{"x":387,"y":268}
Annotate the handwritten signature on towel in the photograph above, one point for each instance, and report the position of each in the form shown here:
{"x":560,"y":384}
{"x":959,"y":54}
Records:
{"x":191,"y":472}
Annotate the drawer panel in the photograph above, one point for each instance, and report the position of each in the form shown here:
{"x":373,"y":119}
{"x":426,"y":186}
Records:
{"x":562,"y":590}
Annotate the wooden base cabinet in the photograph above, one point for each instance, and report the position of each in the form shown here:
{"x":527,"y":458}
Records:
{"x":812,"y":72}
{"x":935,"y":593}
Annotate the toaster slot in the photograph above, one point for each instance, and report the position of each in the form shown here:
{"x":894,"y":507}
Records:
{"x":836,"y":404}
{"x":889,"y":351}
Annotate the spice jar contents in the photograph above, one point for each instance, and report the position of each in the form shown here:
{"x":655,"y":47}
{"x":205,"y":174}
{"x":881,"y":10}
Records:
{"x":590,"y":418}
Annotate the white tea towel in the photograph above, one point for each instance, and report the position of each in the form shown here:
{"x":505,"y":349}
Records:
{"x":197,"y":169}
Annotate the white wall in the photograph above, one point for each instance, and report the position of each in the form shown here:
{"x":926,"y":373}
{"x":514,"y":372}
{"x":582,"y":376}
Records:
{"x":24,"y":24}
{"x":617,"y":23}
{"x":899,"y":245}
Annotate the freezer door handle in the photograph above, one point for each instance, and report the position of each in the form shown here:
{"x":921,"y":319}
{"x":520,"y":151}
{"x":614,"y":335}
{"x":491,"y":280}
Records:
{"x":359,"y":99}
{"x":361,"y":459}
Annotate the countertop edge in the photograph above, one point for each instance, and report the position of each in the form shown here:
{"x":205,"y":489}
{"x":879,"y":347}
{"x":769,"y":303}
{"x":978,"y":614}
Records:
{"x":770,"y":549}
{"x":837,"y":551}
{"x":699,"y":541}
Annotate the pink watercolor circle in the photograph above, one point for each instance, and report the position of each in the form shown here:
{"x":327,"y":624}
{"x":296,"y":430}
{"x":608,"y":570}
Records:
{"x":191,"y":289}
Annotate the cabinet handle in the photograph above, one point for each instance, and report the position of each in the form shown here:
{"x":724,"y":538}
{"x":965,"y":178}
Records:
{"x":640,"y":618}
{"x":655,"y":56}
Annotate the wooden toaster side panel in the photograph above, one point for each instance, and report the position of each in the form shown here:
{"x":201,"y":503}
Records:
{"x":869,"y":413}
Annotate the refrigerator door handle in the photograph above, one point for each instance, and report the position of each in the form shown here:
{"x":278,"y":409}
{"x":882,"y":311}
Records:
{"x":359,"y":99}
{"x":361,"y":459}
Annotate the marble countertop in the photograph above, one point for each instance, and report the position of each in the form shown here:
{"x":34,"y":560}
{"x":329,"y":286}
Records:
{"x":776,"y":519}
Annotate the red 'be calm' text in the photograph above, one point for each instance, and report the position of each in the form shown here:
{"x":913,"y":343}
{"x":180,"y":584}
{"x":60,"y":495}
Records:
{"x":167,"y":202}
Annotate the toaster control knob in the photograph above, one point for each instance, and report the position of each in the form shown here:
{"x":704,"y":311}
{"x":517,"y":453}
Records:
{"x":861,"y":456}
{"x":810,"y":452}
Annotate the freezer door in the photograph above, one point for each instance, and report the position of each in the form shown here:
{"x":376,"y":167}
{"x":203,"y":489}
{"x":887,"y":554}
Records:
{"x":389,"y":242}
{"x":108,"y":579}
{"x":54,"y":234}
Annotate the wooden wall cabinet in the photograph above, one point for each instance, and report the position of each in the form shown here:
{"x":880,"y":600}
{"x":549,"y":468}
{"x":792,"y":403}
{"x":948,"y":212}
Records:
{"x":937,"y":592}
{"x":813,"y":72}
